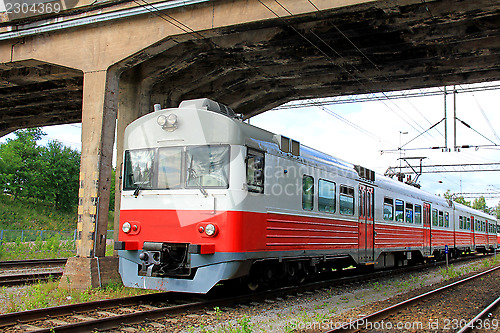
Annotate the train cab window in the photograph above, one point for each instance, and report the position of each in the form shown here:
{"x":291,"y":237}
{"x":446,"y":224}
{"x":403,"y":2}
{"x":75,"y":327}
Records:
{"x":400,"y":210}
{"x":418,"y":214}
{"x":307,"y":192}
{"x":409,"y":213}
{"x":169,"y":168}
{"x":435,"y":217}
{"x":441,"y":219}
{"x":326,"y":196}
{"x":388,"y":209}
{"x":346,"y":200}
{"x":139,"y":169}
{"x":207,"y":166}
{"x":255,"y":171}
{"x":446,"y":220}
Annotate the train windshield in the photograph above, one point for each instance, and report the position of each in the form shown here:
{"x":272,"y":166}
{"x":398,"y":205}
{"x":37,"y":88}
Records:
{"x":139,"y":169}
{"x":162,"y":168}
{"x":207,"y":166}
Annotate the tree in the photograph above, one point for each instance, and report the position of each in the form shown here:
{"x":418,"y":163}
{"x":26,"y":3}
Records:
{"x":21,"y":167}
{"x":496,"y":211}
{"x":460,"y":199}
{"x":61,"y":175}
{"x":480,"y":204}
{"x":48,"y":173}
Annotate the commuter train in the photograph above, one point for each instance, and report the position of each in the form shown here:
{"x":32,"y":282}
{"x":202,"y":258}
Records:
{"x":208,"y":198}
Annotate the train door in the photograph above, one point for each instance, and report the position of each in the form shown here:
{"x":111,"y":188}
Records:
{"x":427,"y":230}
{"x":366,"y":227}
{"x":473,"y":232}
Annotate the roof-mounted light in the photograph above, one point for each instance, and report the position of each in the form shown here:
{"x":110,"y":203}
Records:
{"x":168,"y":123}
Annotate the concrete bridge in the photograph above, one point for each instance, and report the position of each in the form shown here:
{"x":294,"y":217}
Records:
{"x":96,"y":62}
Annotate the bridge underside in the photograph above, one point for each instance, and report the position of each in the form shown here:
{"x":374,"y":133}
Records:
{"x":380,"y":46}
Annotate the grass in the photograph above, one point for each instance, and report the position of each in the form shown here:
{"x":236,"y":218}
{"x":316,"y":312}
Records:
{"x":53,"y":247}
{"x":46,"y":294}
{"x":32,"y":214}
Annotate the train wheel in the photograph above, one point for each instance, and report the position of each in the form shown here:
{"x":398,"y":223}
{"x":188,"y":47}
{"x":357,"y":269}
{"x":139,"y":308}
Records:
{"x":253,"y":286}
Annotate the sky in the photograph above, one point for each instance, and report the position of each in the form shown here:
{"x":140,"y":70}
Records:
{"x":376,"y":126}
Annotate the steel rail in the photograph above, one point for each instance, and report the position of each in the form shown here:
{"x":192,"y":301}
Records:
{"x":20,"y":279}
{"x":470,"y":325}
{"x":13,"y":318}
{"x":355,"y":325}
{"x":32,"y":262}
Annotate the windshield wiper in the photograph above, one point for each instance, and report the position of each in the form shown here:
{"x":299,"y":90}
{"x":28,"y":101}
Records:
{"x":137,"y":190}
{"x":192,"y":174}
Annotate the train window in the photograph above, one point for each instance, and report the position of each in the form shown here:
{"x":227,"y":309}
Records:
{"x":388,"y":209}
{"x":467,"y":226}
{"x":400,"y":210}
{"x":326,"y":196}
{"x":169,"y":168}
{"x":446,"y":220}
{"x":461,"y":222}
{"x":409,"y":213}
{"x":418,"y":214}
{"x":346,"y":200}
{"x":435,"y":217}
{"x":441,"y":219}
{"x":255,"y":171}
{"x":139,"y":169}
{"x":307,"y":192}
{"x":484,"y":226}
{"x":207,"y":166}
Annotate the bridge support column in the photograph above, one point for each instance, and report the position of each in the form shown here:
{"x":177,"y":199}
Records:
{"x":90,"y":268}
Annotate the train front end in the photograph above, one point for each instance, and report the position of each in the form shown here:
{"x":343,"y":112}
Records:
{"x":180,"y":227}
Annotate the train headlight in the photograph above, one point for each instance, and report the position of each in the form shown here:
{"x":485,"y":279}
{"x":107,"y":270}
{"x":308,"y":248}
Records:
{"x":161,"y":120}
{"x":172,"y":119}
{"x":210,"y":230}
{"x":168,"y":123}
{"x":126,"y":227}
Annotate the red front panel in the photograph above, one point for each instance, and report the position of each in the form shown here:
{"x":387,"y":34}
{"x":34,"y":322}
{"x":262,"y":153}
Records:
{"x":241,"y":231}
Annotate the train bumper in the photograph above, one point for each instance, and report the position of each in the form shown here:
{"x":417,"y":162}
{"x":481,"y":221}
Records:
{"x":212,"y":269}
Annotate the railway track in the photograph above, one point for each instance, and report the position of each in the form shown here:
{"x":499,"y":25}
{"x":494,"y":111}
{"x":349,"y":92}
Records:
{"x":20,"y":272}
{"x":20,"y":279}
{"x":444,"y":318}
{"x":483,"y":320}
{"x":15,"y":264}
{"x":109,"y":314}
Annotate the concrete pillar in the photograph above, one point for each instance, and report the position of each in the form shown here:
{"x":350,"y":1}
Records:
{"x":100,"y":100}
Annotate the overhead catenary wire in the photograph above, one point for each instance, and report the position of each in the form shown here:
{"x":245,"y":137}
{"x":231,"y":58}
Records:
{"x":486,"y":118}
{"x":324,"y":53}
{"x":378,"y":69}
